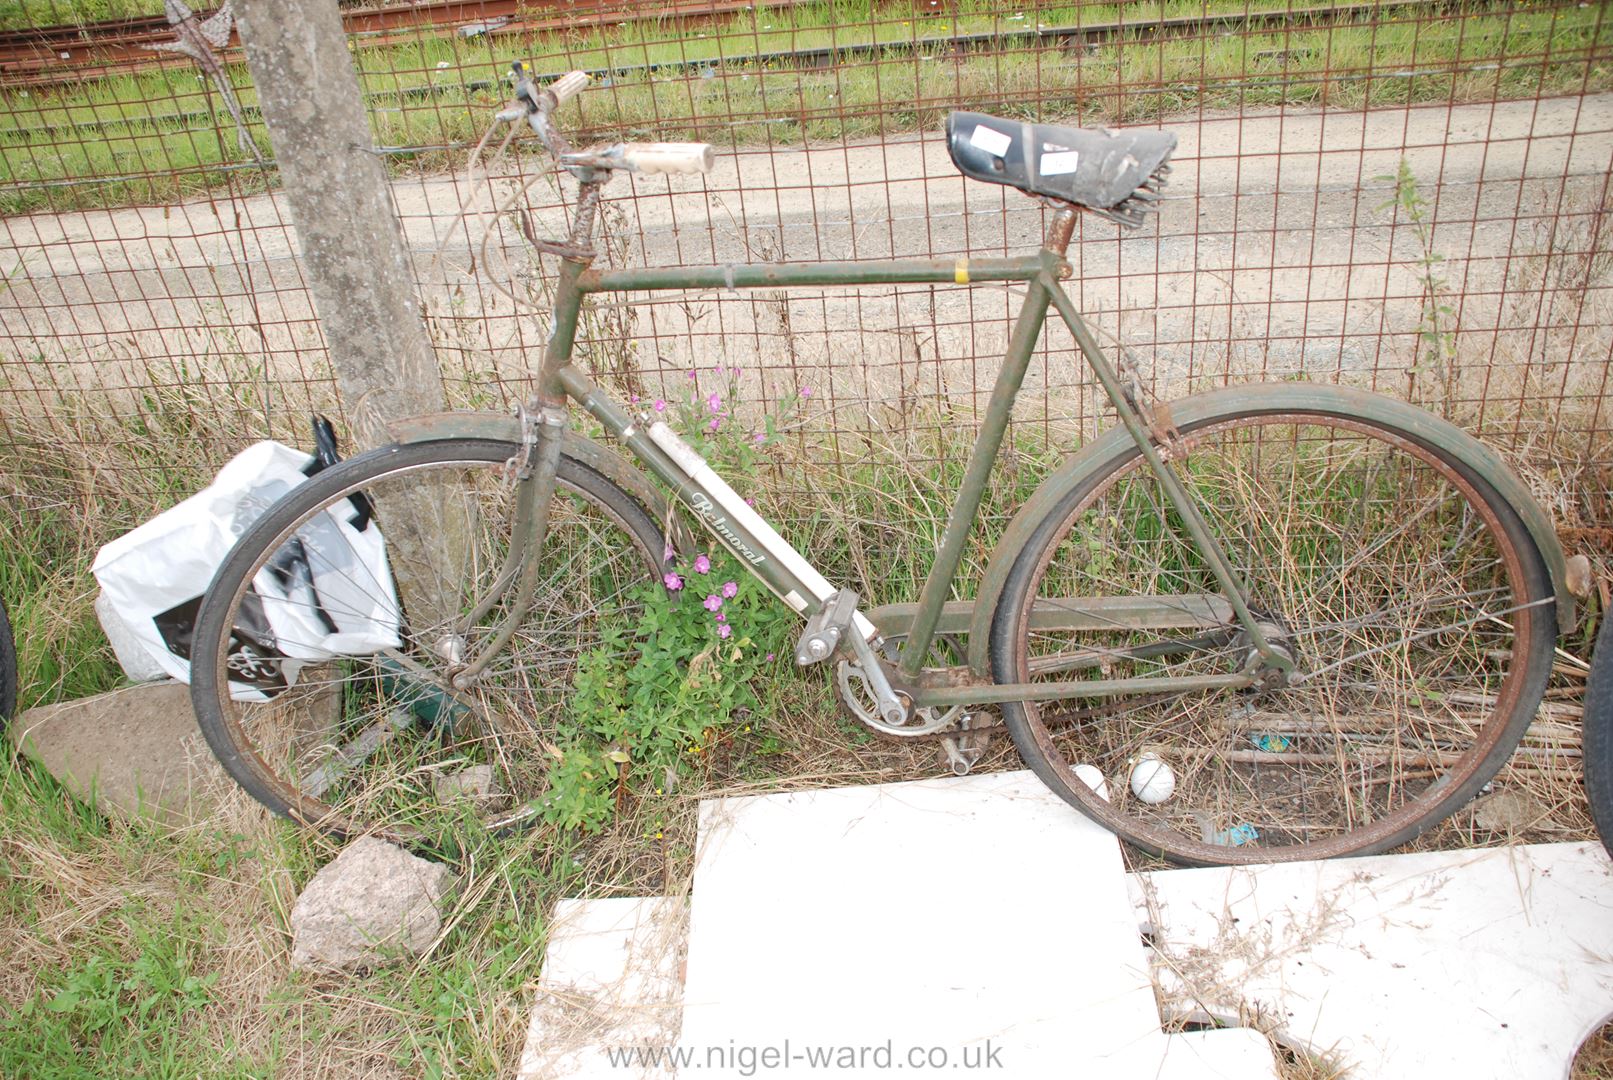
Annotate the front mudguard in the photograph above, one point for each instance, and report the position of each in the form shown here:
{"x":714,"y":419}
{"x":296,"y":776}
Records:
{"x":1341,"y":401}
{"x":609,"y":464}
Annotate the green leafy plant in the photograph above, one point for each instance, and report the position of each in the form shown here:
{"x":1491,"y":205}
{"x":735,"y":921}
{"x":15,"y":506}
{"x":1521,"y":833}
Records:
{"x":656,"y":696}
{"x":1436,"y":329}
{"x":701,"y":641}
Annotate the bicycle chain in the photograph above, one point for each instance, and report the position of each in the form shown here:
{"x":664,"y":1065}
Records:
{"x":1067,"y":717}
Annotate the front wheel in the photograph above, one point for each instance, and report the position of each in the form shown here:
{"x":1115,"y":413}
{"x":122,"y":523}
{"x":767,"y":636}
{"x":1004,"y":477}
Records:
{"x":326,"y":655}
{"x":1414,"y":604}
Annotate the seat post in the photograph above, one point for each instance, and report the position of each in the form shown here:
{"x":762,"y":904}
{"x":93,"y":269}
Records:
{"x":1059,"y":230}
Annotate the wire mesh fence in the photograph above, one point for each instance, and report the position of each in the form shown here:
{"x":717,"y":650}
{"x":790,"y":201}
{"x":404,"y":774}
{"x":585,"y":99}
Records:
{"x":1408,"y":196}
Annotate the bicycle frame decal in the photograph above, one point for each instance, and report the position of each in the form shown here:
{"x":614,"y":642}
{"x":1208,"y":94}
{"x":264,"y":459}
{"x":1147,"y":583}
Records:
{"x":707,"y":510}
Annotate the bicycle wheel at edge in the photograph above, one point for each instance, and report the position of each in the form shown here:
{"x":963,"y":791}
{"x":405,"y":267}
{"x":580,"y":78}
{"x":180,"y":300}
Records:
{"x":1598,"y":737}
{"x":383,"y":743}
{"x":1405,"y":586}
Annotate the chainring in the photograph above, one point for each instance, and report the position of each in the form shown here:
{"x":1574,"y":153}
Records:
{"x":857,"y":697}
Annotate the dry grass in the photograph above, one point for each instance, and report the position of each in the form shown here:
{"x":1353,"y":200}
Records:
{"x":70,"y":885}
{"x":1595,"y":1058}
{"x":87,"y":464}
{"x":73,"y":882}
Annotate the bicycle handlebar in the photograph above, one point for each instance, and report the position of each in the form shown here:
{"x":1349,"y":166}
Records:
{"x":668,"y":157}
{"x":535,"y":105}
{"x":568,"y":86}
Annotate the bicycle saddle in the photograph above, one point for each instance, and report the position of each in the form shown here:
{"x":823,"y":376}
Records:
{"x":1117,"y":174}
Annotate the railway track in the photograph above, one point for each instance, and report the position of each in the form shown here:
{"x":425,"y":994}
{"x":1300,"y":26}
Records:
{"x":57,"y":55}
{"x":1075,"y":40}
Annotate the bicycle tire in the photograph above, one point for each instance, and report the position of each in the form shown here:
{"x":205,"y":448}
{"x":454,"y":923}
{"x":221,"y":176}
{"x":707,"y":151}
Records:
{"x":8,"y":668}
{"x":383,"y":743}
{"x":1598,"y":735}
{"x":1379,"y":558}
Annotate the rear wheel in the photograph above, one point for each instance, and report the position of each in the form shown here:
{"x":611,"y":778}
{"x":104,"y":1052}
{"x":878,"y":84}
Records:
{"x":377,"y":738}
{"x":1414,"y":604}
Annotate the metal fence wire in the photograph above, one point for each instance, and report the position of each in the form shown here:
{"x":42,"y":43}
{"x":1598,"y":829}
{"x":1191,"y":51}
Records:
{"x":1412,"y":197}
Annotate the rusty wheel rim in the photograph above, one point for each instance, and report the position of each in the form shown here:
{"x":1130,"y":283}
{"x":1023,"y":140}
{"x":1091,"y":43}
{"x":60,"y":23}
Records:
{"x":1165,"y":831}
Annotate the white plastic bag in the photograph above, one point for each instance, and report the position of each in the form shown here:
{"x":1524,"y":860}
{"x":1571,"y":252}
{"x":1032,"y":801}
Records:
{"x":329,"y":593}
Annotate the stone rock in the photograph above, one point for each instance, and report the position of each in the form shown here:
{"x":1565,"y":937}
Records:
{"x":137,"y":752}
{"x":473,"y":782}
{"x":134,"y":753}
{"x":1507,"y":811}
{"x":372,"y":904}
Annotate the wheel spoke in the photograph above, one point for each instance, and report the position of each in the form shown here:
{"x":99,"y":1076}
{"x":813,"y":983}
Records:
{"x":383,"y":741}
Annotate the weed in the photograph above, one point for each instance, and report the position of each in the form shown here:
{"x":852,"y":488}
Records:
{"x":699,"y":642}
{"x":1436,"y":330}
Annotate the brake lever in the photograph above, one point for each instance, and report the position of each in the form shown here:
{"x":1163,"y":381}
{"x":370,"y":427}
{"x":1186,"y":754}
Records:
{"x":526,"y":102}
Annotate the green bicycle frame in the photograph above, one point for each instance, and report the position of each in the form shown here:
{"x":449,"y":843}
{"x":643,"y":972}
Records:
{"x":787,"y":574}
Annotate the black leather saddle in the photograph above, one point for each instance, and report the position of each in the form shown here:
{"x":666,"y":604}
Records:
{"x":1117,"y":174}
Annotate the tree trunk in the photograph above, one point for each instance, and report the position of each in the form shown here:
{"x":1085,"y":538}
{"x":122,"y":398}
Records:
{"x":358,"y":271}
{"x":358,"y":268}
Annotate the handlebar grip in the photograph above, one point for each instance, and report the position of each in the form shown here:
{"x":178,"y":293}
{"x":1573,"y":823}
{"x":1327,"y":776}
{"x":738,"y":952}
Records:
{"x":568,"y":86}
{"x":669,"y":157}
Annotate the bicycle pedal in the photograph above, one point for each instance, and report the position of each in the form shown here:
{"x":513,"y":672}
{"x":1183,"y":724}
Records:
{"x":960,"y":754}
{"x":827,"y":628}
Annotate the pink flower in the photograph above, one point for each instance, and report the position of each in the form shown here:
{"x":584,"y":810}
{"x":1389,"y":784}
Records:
{"x":716,"y":422}
{"x":667,"y":552}
{"x":730,"y":589}
{"x":714,"y":403}
{"x":713,"y":602}
{"x":721,"y":617}
{"x":760,"y":438}
{"x":660,"y":406}
{"x":634,"y":399}
{"x":770,"y":656}
{"x":691,"y":373}
{"x":806,"y":391}
{"x":724,"y":631}
{"x":750,"y":502}
{"x":702,"y":565}
{"x":672,"y":581}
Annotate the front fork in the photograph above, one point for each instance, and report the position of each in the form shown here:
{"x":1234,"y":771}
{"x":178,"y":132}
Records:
{"x":535,"y":469}
{"x":535,"y":466}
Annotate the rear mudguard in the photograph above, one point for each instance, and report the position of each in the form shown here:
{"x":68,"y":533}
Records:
{"x":1272,"y":397}
{"x":609,"y":464}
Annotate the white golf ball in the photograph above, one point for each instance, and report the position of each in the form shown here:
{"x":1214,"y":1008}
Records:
{"x":1152,"y":780}
{"x":1092,"y":778}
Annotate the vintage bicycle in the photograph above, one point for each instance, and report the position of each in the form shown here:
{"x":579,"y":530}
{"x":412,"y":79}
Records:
{"x":1328,"y":614}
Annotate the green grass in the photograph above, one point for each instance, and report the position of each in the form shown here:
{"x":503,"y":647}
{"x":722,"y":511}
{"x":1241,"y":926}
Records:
{"x":150,"y":138}
{"x":137,"y":953}
{"x":22,"y":14}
